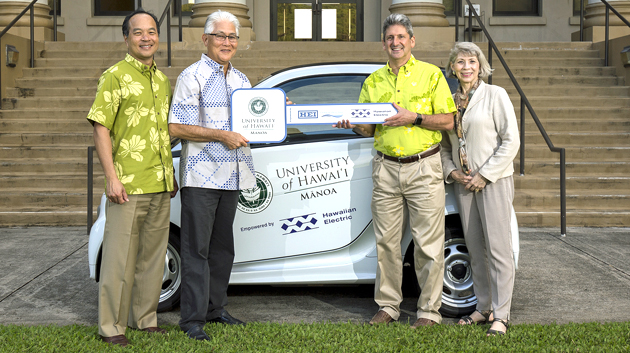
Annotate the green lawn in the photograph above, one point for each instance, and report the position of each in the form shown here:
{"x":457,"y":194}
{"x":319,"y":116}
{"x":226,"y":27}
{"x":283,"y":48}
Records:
{"x":347,"y":337}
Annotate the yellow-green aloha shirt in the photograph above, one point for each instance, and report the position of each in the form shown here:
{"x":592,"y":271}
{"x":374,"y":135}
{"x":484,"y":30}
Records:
{"x":132,"y":101}
{"x":419,"y":87}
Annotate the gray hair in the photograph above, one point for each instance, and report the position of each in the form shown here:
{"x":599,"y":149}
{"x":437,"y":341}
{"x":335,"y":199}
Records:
{"x":397,"y":19}
{"x":219,"y":16}
{"x":469,"y":49}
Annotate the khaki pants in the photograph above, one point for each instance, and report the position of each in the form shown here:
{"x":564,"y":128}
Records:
{"x":417,"y":188}
{"x":132,"y":265}
{"x":486,"y":220}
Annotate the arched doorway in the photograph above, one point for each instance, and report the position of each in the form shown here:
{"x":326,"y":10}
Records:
{"x":317,"y":20}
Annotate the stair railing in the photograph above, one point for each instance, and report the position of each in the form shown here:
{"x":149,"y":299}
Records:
{"x":166,"y":11}
{"x":525,"y":103}
{"x":8,"y":27}
{"x":55,"y":20}
{"x":609,"y":8}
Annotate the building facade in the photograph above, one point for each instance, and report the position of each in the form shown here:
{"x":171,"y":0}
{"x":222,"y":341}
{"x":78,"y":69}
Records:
{"x":325,"y":20}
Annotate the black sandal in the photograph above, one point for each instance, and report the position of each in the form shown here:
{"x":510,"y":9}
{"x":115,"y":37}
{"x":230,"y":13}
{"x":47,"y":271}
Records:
{"x":492,"y":332}
{"x":467,"y":320}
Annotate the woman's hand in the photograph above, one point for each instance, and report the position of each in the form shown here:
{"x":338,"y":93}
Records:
{"x":460,"y":177}
{"x":477,"y":183}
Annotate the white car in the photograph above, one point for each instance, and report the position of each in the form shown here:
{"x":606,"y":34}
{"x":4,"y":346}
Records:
{"x":308,"y":220}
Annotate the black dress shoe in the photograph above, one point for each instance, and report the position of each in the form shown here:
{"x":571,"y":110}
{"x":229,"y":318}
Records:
{"x":226,"y":319}
{"x":197,"y":333}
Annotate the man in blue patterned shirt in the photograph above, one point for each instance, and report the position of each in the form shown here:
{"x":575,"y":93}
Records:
{"x":215,"y":164}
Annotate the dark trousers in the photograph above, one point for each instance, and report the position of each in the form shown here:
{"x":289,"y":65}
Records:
{"x":207,"y":253}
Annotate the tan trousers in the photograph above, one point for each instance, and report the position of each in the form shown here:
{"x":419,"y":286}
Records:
{"x":417,"y":189}
{"x":132,"y":265}
{"x":486,"y":218}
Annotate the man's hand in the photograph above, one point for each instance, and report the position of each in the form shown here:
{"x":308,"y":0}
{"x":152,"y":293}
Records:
{"x":115,"y":191}
{"x":233,"y":140}
{"x":344,"y":124}
{"x":402,"y":118}
{"x":175,"y":187}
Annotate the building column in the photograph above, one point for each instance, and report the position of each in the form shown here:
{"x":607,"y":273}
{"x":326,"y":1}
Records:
{"x":428,"y":19}
{"x":9,"y":9}
{"x":202,"y":8}
{"x":595,"y":20}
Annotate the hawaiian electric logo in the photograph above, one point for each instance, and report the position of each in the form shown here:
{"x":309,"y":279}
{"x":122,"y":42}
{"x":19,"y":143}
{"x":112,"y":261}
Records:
{"x":298,"y":223}
{"x":256,"y":199}
{"x":307,"y":114}
{"x":258,"y":106}
{"x":360,"y":113}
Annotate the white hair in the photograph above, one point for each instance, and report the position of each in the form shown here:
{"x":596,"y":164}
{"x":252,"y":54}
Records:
{"x":219,"y":16}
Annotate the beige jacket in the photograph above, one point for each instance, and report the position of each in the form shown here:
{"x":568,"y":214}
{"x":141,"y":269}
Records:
{"x":491,"y":134}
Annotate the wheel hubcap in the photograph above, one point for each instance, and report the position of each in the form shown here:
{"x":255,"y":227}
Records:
{"x":171,"y":279}
{"x":458,"y":283}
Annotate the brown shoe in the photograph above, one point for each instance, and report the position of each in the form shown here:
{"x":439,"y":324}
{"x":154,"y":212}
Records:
{"x":119,"y":340}
{"x":154,"y":330}
{"x":381,"y":318}
{"x":423,"y":322}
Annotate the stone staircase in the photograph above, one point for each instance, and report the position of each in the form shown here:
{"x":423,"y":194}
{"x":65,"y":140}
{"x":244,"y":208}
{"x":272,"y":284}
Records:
{"x":583,"y":105}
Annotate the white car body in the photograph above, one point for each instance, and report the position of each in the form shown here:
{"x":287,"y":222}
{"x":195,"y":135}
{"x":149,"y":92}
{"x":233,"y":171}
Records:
{"x":309,"y":219}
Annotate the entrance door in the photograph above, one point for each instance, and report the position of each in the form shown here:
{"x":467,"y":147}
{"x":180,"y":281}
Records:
{"x":317,"y":20}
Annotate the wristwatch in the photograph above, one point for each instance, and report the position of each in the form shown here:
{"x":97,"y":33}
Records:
{"x":418,"y":121}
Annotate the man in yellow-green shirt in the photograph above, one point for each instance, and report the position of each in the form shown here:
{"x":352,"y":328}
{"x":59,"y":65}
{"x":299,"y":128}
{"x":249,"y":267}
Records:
{"x":407,"y":172}
{"x":129,"y":115}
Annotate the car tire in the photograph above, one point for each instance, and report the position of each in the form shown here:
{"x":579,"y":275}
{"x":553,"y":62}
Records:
{"x":458,"y":297}
{"x":172,"y":278}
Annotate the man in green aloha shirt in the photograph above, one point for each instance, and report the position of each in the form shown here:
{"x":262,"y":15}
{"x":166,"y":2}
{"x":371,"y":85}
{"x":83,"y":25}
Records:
{"x":407,"y":172}
{"x":130,"y":115}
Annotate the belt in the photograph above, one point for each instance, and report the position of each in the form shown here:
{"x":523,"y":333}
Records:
{"x":411,"y":159}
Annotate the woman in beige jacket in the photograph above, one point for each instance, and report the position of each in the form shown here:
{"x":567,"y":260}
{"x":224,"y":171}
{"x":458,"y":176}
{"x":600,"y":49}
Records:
{"x":477,"y":156}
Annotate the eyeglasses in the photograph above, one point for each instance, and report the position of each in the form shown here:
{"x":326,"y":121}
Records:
{"x":220,"y":37}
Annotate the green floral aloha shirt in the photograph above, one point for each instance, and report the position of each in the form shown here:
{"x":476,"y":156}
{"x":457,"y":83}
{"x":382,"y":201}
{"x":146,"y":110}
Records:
{"x":132,"y":101}
{"x":419,"y":87}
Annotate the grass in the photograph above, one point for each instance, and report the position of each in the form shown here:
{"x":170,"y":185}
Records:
{"x":345,"y":337}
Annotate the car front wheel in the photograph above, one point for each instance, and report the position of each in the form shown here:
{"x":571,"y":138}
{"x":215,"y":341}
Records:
{"x":458,"y":297}
{"x":171,"y":280}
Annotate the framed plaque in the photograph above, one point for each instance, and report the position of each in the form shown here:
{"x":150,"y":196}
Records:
{"x":259,"y":114}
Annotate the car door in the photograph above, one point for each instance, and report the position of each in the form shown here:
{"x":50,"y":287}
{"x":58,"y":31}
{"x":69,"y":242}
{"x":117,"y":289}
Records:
{"x":314,"y":189}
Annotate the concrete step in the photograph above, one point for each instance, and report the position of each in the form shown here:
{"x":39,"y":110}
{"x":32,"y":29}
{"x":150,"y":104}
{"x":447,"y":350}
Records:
{"x":40,"y":216}
{"x":575,"y":218}
{"x":34,"y":198}
{"x":571,"y":91}
{"x":595,"y":139}
{"x":47,"y":103}
{"x":582,"y":101}
{"x":534,"y":70}
{"x":80,"y":69}
{"x":77,"y":166}
{"x":615,"y":200}
{"x":573,"y":183}
{"x":582,"y":154}
{"x":43,"y":152}
{"x":46,"y":139}
{"x":578,"y":125}
{"x":504,"y":81}
{"x":33,"y":114}
{"x":551,"y":167}
{"x":45,"y":125}
{"x":46,"y":183}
